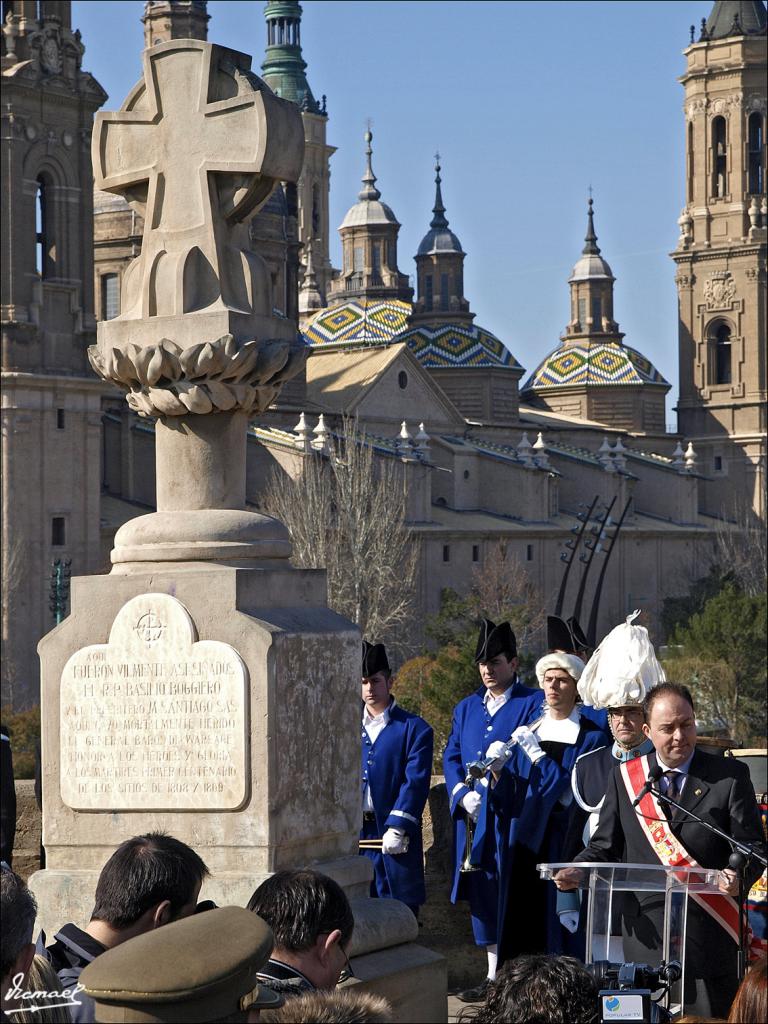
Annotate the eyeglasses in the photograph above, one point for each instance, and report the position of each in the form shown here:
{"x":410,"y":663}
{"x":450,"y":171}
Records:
{"x":346,"y":972}
{"x":625,"y":713}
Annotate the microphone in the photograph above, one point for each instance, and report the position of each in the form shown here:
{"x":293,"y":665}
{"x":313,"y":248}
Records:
{"x":653,"y":776}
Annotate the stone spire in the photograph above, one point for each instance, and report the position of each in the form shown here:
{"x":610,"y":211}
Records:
{"x":591,"y":248}
{"x":174,"y":19}
{"x":309,"y":295}
{"x":440,"y":268}
{"x":439,"y":220}
{"x":369,"y":190}
{"x":369,"y":242}
{"x":283,"y":68}
{"x":591,"y":284}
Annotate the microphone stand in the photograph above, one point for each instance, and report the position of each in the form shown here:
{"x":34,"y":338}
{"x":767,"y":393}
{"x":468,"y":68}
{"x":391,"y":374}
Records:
{"x":741,"y":855}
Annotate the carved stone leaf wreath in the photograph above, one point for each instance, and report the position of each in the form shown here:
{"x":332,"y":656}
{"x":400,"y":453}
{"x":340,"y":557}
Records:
{"x":166,"y":380}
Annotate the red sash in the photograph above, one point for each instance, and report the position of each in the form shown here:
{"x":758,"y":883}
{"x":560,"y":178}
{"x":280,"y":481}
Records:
{"x":668,"y":848}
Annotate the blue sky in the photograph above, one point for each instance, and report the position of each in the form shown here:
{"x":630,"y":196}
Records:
{"x":528,"y":103}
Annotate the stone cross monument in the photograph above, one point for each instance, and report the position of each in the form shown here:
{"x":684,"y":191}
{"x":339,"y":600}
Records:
{"x":204,"y":688}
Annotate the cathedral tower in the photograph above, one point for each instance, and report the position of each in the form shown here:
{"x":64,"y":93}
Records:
{"x":440,"y":269}
{"x":174,"y":19}
{"x":284,"y":71}
{"x":51,"y":399}
{"x":721,"y":257}
{"x":369,"y":242}
{"x":593,"y":375}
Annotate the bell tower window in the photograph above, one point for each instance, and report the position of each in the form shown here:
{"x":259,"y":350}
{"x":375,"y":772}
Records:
{"x":45,"y":248}
{"x":722,"y":355}
{"x":756,"y":156}
{"x":691,"y":166}
{"x":444,"y":292}
{"x":429,"y":296}
{"x":719,"y":158}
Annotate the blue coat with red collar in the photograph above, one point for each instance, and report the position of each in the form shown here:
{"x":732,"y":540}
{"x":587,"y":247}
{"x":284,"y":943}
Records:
{"x":398,"y":768}
{"x":472,"y":731}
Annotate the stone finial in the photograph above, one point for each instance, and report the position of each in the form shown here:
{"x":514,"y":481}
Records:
{"x":764,"y":212}
{"x":524,"y":451}
{"x":540,"y":452}
{"x":404,"y":442}
{"x":195,"y":166}
{"x":422,"y":440}
{"x":754,"y":214}
{"x":604,"y":452}
{"x":322,"y":434}
{"x":303,"y":434}
{"x":619,"y":457}
{"x":678,"y":460}
{"x":690,"y":457}
{"x":309,"y":294}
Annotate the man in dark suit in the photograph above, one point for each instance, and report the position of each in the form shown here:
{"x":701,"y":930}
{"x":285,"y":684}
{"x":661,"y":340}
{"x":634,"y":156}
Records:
{"x":719,"y":791}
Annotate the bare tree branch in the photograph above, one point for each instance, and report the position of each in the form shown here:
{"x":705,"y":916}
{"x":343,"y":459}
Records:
{"x":346,"y":513}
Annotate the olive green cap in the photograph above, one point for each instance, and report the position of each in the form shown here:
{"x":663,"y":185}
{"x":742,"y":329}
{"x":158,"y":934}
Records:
{"x":200,"y":968}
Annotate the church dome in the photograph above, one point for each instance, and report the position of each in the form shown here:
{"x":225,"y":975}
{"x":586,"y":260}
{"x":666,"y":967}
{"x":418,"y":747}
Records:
{"x":359,"y":322}
{"x":440,"y":346}
{"x":369,"y":209}
{"x":592,"y":364}
{"x":590,"y":267}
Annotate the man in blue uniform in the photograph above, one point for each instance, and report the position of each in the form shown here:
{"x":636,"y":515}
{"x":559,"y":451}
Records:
{"x":532,"y":799}
{"x":396,"y":771}
{"x":493,"y":712}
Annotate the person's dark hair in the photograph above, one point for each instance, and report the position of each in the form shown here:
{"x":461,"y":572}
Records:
{"x":751,"y":1002}
{"x":300,"y":905}
{"x":539,"y":989}
{"x":666,"y":690}
{"x":17,"y":909}
{"x":143,"y":872}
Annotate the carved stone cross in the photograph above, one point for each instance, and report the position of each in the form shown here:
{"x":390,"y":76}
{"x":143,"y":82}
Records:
{"x":197,"y":146}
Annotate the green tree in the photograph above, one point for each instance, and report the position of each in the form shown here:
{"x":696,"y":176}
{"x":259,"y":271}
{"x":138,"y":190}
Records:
{"x":721,"y":656}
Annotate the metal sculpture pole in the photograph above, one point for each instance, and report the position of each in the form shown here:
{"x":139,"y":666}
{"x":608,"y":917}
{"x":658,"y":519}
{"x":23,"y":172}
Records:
{"x":593,"y":548}
{"x":592,"y":627}
{"x":573,"y":546}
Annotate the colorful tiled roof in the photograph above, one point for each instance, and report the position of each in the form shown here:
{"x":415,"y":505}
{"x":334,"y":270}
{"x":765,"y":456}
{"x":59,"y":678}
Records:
{"x":359,"y":322}
{"x":593,"y":364}
{"x":447,"y":345}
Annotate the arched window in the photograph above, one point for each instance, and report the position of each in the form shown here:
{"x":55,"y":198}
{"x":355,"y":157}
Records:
{"x":444,"y":292}
{"x":690,"y":162}
{"x":722,"y":354}
{"x":756,"y":155}
{"x":719,"y":163}
{"x":429,"y":295}
{"x":315,"y":211}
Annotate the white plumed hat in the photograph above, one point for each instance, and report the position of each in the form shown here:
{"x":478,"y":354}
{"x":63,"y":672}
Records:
{"x":622,"y":669}
{"x":568,"y":662}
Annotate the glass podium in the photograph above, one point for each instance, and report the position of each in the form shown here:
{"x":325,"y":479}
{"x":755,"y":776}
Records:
{"x":605,"y":885}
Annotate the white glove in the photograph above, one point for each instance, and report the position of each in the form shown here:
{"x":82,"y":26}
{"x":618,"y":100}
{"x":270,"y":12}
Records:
{"x":570,"y":921}
{"x":471,"y":803}
{"x":498,"y":751}
{"x":528,"y":743}
{"x":394,"y":841}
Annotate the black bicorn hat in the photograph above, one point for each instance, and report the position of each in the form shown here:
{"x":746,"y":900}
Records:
{"x":565,"y":636}
{"x":494,"y":640}
{"x":374,"y":659}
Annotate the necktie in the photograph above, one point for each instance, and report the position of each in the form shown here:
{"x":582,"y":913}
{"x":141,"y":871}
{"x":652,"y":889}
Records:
{"x":673,"y":791}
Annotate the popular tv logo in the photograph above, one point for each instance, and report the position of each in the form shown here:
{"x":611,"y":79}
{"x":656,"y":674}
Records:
{"x":46,"y":1000}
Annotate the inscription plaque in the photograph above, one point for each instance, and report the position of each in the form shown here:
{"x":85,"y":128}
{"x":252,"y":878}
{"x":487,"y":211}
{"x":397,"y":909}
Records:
{"x":155,"y":719}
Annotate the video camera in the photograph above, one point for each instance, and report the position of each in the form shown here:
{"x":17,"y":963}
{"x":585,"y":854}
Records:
{"x":626,"y":990}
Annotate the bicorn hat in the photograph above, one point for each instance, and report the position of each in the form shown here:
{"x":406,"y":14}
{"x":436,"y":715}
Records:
{"x":202,"y":967}
{"x":494,"y":640}
{"x":565,"y":636}
{"x":374,"y":659}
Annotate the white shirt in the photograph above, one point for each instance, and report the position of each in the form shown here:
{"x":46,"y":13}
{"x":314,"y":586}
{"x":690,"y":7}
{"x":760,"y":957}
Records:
{"x":373,"y":724}
{"x":560,"y":730}
{"x":493,"y":704}
{"x":682,"y":771}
